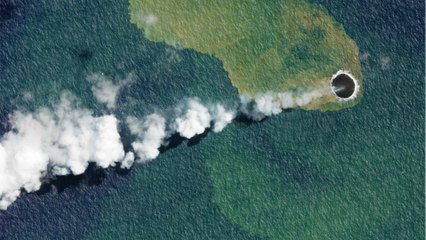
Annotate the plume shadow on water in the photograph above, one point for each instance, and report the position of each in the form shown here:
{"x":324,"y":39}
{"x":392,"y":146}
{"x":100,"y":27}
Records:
{"x":176,"y":139}
{"x":92,"y":176}
{"x":5,"y":111}
{"x":172,"y":142}
{"x":197,"y":139}
{"x":4,"y":123}
{"x":244,"y":120}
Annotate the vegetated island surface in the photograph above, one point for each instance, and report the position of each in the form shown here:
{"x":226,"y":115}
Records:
{"x":281,"y":45}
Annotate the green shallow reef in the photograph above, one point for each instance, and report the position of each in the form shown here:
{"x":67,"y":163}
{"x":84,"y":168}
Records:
{"x":279,"y":45}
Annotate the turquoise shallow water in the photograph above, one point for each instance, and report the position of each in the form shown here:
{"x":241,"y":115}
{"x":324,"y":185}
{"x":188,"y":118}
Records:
{"x":351,"y":174}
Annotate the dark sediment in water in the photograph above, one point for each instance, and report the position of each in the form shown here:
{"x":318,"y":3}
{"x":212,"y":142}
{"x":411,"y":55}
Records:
{"x":343,"y":85}
{"x":7,"y":10}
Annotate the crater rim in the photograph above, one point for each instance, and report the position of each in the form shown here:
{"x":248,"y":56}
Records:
{"x":341,"y":88}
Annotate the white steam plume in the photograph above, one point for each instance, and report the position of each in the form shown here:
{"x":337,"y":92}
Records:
{"x":64,"y":140}
{"x":268,"y":104}
{"x":150,"y":132}
{"x":221,"y":117}
{"x":194,"y":119}
{"x":67,"y":138}
{"x":105,"y":90}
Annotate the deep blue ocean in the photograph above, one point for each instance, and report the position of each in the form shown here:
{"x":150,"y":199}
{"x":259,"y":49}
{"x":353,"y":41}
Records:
{"x":357,"y":173}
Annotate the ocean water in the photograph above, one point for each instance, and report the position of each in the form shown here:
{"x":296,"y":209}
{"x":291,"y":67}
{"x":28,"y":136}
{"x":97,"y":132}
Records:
{"x":357,"y":173}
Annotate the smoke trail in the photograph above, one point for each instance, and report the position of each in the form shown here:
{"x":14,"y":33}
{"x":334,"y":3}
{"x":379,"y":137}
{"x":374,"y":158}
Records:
{"x":64,"y":140}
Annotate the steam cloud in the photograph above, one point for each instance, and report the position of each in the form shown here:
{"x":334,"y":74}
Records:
{"x":151,"y":133}
{"x":268,"y":104}
{"x":64,"y":140}
{"x":105,"y":90}
{"x":195,"y":119}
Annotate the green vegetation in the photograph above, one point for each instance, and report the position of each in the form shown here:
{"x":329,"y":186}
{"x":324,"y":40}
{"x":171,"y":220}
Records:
{"x":265,"y":46}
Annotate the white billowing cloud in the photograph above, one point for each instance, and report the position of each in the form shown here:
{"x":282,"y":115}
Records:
{"x":268,"y":104}
{"x":128,"y":161}
{"x":248,"y":108}
{"x":78,"y":138}
{"x":65,"y":139}
{"x":221,"y":117}
{"x":195,"y":118}
{"x":22,"y":160}
{"x":105,"y":90}
{"x":286,"y":100}
{"x":108,"y":146}
{"x":308,"y":97}
{"x":151,"y":133}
